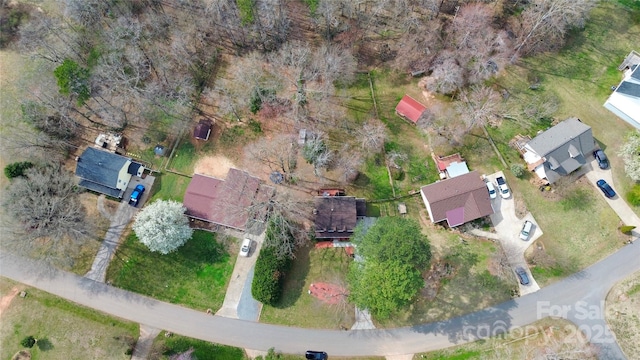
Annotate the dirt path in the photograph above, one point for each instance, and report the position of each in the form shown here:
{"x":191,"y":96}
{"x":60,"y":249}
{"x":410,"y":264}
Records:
{"x":6,"y":300}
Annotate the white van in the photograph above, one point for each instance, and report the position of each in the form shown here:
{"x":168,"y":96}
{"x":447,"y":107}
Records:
{"x":526,"y":230}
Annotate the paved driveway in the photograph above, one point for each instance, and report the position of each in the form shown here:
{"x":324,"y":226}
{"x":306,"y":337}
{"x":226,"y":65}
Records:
{"x":119,"y":221}
{"x":238,"y":302}
{"x":508,"y":226}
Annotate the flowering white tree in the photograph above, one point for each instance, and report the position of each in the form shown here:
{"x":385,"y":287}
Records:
{"x":630,"y":152}
{"x":162,"y":226}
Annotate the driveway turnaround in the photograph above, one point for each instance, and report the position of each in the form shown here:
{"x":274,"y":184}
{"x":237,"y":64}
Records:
{"x":578,"y":298}
{"x":508,"y":227}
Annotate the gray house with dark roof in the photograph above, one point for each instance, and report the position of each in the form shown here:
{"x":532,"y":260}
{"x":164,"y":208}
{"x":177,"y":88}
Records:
{"x":625,"y":99}
{"x":105,"y":172}
{"x":560,"y":150}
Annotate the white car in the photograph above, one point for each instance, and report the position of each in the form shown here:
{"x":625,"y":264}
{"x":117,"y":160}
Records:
{"x":246,"y":247}
{"x":492,"y":190}
{"x":502,"y":186}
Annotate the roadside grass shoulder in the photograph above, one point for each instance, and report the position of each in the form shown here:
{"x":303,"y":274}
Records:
{"x":537,"y":339}
{"x":196,"y":275}
{"x":297,"y":307}
{"x":64,"y":330}
{"x":622,"y":314}
{"x":167,"y":347}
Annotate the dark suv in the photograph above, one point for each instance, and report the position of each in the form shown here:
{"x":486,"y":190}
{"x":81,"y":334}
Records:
{"x":606,"y":188}
{"x":522,"y":275}
{"x":315,"y":355}
{"x":603,"y":162}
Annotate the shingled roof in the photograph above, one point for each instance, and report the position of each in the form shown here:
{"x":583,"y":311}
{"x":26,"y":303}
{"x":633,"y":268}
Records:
{"x":230,"y":202}
{"x":410,"y":109}
{"x":336,"y":216}
{"x":99,"y":171}
{"x":457,"y":200}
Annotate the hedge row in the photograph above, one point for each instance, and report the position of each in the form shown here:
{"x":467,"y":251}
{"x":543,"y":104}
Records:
{"x":269,"y":276}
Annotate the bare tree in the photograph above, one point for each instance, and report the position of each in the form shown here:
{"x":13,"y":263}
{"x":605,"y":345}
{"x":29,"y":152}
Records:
{"x":279,"y":153}
{"x":372,"y":135}
{"x":349,"y":162}
{"x":447,"y":76}
{"x":478,"y":105}
{"x":543,"y":24}
{"x":47,"y":217}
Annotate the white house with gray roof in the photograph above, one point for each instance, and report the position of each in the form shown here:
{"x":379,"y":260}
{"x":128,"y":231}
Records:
{"x":625,"y":99}
{"x":105,"y":172}
{"x":560,"y":150}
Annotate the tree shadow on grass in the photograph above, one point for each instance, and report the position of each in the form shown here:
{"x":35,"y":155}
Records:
{"x":44,"y":344}
{"x":296,"y":276}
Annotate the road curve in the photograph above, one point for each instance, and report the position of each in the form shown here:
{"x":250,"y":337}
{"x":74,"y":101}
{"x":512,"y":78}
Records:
{"x":589,"y":285}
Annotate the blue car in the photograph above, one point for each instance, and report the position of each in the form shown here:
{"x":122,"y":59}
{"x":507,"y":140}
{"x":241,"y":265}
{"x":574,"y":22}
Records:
{"x":136,"y":195}
{"x":606,"y":188}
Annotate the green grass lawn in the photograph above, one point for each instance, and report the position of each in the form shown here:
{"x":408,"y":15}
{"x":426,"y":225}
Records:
{"x":169,"y":186}
{"x":297,"y":307}
{"x":165,"y":347}
{"x":579,"y":228}
{"x":196,"y":275}
{"x":64,"y":330}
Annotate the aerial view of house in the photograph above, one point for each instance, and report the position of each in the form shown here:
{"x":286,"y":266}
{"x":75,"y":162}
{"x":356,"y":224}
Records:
{"x":319,"y":179}
{"x":105,"y":172}
{"x":560,"y":150}
{"x":457,"y":200}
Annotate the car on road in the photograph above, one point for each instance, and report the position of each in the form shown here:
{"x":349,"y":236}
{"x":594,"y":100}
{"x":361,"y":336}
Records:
{"x":606,"y":188}
{"x":522,"y":275}
{"x":526,"y":230}
{"x":136,"y":195}
{"x":245,"y":248}
{"x":502,"y":186}
{"x":600,"y":156}
{"x":492,"y":190}
{"x":315,"y":355}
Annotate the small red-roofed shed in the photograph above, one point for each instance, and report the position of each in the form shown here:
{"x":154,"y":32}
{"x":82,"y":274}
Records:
{"x":410,"y":109}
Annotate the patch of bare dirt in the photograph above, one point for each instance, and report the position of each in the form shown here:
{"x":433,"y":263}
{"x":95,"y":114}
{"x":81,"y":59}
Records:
{"x":217,"y":166}
{"x":520,"y":207}
{"x":5,"y":301}
{"x":439,"y":271}
{"x":22,"y":355}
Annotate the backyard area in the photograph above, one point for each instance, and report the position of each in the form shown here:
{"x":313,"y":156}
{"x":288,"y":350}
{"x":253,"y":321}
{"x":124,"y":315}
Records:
{"x":196,"y":275}
{"x":64,"y":330}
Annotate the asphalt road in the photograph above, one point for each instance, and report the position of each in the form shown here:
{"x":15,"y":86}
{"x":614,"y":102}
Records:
{"x":568,"y":298}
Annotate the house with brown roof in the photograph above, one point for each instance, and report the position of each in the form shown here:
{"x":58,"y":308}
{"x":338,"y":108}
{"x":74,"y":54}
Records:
{"x":203,"y":130}
{"x":410,"y":109}
{"x":336,"y":216}
{"x":234,"y":202}
{"x":457,"y":200}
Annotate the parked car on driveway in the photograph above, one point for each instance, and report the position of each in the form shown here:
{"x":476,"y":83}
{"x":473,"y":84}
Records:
{"x":136,"y":195}
{"x":600,"y":156}
{"x":492,"y":190}
{"x":606,"y":188}
{"x":245,"y":248}
{"x":526,"y":230}
{"x":502,"y":186}
{"x":522,"y":275}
